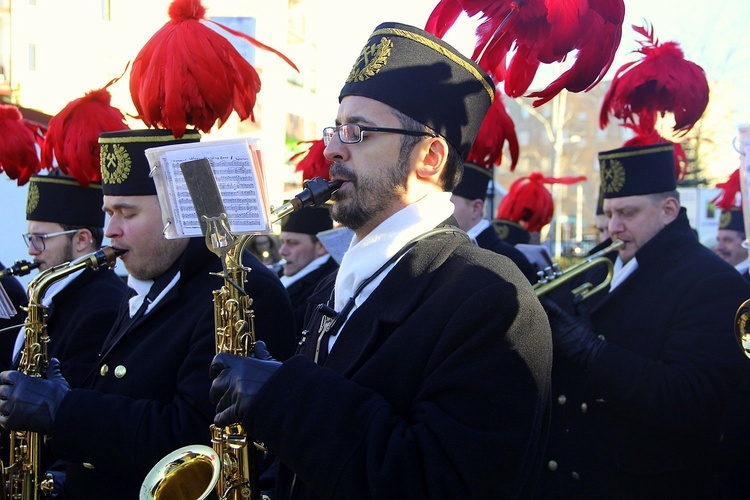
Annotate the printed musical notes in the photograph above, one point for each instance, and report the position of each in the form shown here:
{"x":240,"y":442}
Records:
{"x":239,"y":175}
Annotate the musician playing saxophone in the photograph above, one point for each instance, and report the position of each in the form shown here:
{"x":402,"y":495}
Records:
{"x":147,"y":393}
{"x":65,"y":221}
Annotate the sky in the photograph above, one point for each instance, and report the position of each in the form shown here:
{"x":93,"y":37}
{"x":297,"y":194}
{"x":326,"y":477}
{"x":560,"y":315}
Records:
{"x":710,"y":34}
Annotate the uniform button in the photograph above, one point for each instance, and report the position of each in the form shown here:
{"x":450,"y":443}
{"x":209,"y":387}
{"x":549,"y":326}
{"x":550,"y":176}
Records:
{"x":561,"y":399}
{"x":103,"y":370}
{"x":584,"y":407}
{"x":552,"y":465}
{"x":120,"y":371}
{"x":575,"y":475}
{"x":602,"y":337}
{"x":88,"y":465}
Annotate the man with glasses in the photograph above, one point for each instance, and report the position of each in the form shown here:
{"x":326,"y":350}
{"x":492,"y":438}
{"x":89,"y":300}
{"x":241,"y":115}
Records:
{"x":65,"y":221}
{"x":425,"y":372}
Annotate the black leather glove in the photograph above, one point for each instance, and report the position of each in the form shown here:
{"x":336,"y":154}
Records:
{"x":572,"y":337}
{"x":261,"y":352}
{"x":30,"y":403}
{"x":236,"y":382}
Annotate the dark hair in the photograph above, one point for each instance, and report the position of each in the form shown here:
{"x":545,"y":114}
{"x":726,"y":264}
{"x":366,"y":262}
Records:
{"x":453,"y":171}
{"x":97,"y":233}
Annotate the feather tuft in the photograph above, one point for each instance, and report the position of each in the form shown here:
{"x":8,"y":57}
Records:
{"x":728,"y":198}
{"x":19,"y":139}
{"x":313,"y":163}
{"x":189,"y":75}
{"x":516,"y":36}
{"x":529,"y":203}
{"x":497,"y":129}
{"x":73,"y":135}
{"x":661,"y":81}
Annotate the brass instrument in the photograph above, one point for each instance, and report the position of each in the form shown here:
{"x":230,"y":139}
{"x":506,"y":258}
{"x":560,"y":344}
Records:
{"x":553,"y":277}
{"x":741,"y":327}
{"x":25,"y":479}
{"x":19,"y":268}
{"x":227,"y":470}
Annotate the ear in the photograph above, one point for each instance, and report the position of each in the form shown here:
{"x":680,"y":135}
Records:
{"x":671,"y":209}
{"x":82,"y":239}
{"x":433,"y":154}
{"x":320,"y":250}
{"x":477,"y":206}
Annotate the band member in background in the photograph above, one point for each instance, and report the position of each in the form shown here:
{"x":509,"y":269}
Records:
{"x":468,"y":198}
{"x":730,"y":238}
{"x":307,"y":261}
{"x":426,"y":371}
{"x":17,"y":295}
{"x":645,"y":369}
{"x":65,"y":222}
{"x":147,"y":393}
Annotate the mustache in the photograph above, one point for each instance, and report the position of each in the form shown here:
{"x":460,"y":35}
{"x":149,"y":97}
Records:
{"x":340,"y":171}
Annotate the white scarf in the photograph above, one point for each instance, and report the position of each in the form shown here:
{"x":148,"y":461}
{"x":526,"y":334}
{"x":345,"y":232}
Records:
{"x":365,"y":257}
{"x":314,"y":264}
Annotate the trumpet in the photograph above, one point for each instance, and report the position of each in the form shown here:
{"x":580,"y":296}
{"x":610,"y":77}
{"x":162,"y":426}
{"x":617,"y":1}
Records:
{"x":553,"y":277}
{"x":19,"y":268}
{"x":228,"y":469}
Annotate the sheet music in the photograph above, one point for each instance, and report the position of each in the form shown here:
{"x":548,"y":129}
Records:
{"x":336,"y":241}
{"x":238,"y":174}
{"x":7,"y":310}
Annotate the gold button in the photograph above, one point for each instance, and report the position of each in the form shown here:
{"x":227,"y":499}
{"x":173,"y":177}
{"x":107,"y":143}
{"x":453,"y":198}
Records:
{"x":561,"y":399}
{"x":552,"y":465}
{"x":120,"y":371}
{"x":88,"y":465}
{"x":103,"y":370}
{"x":584,"y":406}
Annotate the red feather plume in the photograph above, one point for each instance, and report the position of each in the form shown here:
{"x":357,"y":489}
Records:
{"x":73,"y":135}
{"x":540,"y":31}
{"x":727,"y":198}
{"x":314,"y":163}
{"x":661,"y":81}
{"x":18,"y":145}
{"x":189,"y":75}
{"x":529,"y":202}
{"x":496,"y":129}
{"x":652,"y":137}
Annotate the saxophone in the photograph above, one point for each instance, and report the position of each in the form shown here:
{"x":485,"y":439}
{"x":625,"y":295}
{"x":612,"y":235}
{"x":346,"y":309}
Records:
{"x":226,"y":470}
{"x":25,"y":479}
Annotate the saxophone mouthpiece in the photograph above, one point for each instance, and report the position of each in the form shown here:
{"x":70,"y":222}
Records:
{"x":317,"y":191}
{"x":19,"y":268}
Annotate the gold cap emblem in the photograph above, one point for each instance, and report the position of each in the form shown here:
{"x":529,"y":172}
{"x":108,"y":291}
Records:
{"x":370,"y":61}
{"x":613,"y":176}
{"x":115,"y":162}
{"x":32,"y":199}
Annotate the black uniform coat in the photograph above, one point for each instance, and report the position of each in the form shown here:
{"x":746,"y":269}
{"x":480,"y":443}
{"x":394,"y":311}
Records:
{"x":148,"y":394}
{"x":436,"y":387}
{"x":644,"y":420}
{"x":490,"y":240}
{"x":79,"y":318}
{"x":301,"y":289}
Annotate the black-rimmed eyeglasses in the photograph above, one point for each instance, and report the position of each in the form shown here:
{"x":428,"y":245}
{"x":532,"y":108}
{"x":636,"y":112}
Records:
{"x":351,"y":133}
{"x":37,"y":240}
